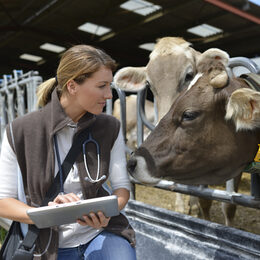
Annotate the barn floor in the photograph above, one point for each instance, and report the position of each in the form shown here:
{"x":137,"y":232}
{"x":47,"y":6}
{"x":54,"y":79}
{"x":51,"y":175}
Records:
{"x":247,"y":219}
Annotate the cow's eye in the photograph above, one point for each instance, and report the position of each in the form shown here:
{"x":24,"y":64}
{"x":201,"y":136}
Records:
{"x":189,"y":116}
{"x":189,"y":76}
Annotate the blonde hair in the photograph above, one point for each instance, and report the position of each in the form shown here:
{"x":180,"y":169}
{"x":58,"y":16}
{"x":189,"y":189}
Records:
{"x":77,"y":63}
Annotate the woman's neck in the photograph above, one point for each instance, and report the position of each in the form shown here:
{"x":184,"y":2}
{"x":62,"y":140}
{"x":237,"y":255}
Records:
{"x":70,"y":108}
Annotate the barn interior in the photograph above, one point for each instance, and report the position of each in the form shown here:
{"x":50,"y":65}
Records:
{"x":34,"y":34}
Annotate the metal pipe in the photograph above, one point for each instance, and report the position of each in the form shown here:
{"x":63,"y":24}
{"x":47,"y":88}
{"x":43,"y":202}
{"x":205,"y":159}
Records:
{"x":9,"y":86}
{"x":109,"y":110}
{"x":255,"y":185}
{"x":230,"y":185}
{"x":140,"y":127}
{"x":25,"y":81}
{"x":3,"y":115}
{"x":121,"y":95}
{"x":20,"y":93}
{"x":234,"y":10}
{"x":244,"y":62}
{"x":212,"y":194}
{"x":141,"y":99}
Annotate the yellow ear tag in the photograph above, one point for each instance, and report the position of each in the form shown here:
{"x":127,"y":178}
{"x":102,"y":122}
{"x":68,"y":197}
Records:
{"x":257,"y":157}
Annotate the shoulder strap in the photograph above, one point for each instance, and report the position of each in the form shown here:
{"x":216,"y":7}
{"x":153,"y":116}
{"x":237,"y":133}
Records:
{"x":66,"y":166}
{"x":28,"y":243}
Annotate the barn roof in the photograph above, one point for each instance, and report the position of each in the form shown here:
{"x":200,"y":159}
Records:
{"x":232,"y":25}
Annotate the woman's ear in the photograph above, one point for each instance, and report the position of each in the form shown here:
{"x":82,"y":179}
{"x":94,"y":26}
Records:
{"x":72,"y":87}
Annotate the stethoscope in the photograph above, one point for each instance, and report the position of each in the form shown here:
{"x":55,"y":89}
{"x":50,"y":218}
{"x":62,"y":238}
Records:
{"x":89,"y":178}
{"x":90,"y":139}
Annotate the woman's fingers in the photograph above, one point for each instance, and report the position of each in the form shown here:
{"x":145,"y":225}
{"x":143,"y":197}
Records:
{"x":95,"y":220}
{"x":103,"y":219}
{"x":51,"y":203}
{"x":65,"y":198}
{"x":73,"y":196}
{"x":85,"y":221}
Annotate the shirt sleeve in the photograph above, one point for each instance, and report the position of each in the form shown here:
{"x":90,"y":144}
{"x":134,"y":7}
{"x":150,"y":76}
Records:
{"x":8,"y":171}
{"x":118,"y":175}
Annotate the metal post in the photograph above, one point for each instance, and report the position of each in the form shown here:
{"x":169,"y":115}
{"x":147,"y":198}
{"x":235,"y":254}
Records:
{"x":139,"y":123}
{"x":109,"y":107}
{"x":230,"y":185}
{"x":255,"y":185}
{"x":142,"y":96}
{"x":10,"y":98}
{"x":19,"y":93}
{"x":3,"y":114}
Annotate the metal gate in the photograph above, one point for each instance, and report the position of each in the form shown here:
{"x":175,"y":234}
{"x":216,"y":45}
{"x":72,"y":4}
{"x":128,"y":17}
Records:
{"x":17,"y":97}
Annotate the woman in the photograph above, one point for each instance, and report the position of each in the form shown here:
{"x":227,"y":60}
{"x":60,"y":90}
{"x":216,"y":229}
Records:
{"x":72,"y":102}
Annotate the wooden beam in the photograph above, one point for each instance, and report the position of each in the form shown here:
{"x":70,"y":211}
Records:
{"x":234,"y":10}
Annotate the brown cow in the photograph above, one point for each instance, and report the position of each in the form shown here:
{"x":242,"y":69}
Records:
{"x":169,"y":71}
{"x":172,"y":66}
{"x":210,"y":134}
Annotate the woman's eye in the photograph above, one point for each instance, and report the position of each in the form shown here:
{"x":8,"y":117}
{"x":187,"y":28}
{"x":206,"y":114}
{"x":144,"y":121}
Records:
{"x":189,"y":116}
{"x":102,"y":86}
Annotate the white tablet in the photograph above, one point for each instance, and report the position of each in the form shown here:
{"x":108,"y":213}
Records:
{"x":49,"y":216}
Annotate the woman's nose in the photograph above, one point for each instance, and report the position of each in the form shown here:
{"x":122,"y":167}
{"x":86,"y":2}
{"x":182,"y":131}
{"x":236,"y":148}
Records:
{"x":108,"y":94}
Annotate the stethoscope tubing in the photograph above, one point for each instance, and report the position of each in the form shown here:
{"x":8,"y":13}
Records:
{"x":88,"y":178}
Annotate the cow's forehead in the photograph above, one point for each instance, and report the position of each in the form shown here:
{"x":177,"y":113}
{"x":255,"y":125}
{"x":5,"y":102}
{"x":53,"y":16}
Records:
{"x":171,"y":50}
{"x":194,"y":81}
{"x":171,"y":46}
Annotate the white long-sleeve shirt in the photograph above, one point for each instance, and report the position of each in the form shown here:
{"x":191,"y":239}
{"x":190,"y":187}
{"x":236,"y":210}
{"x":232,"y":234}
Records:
{"x":70,"y":235}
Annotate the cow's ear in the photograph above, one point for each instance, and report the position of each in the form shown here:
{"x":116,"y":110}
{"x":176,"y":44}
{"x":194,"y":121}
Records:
{"x":214,"y":54}
{"x":244,"y":109}
{"x":131,"y":78}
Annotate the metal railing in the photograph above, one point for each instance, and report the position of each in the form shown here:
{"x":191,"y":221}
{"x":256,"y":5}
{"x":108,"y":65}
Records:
{"x":17,"y":97}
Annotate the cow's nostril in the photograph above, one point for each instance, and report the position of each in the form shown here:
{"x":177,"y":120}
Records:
{"x":131,"y":164}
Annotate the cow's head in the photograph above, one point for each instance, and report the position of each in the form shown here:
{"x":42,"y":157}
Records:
{"x":209,"y":134}
{"x":171,"y":67}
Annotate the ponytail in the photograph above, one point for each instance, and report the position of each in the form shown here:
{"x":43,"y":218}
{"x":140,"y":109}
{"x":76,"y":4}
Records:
{"x":44,"y":92}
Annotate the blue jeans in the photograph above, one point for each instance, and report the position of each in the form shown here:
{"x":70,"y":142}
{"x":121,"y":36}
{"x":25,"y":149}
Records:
{"x":105,"y":246}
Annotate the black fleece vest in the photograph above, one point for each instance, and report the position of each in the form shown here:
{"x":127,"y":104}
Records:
{"x":33,"y":139}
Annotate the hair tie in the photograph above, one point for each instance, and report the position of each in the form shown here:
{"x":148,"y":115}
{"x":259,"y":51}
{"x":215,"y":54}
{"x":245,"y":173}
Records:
{"x":56,"y":80}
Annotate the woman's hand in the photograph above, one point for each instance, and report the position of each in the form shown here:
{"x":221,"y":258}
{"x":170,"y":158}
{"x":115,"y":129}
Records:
{"x":64,"y":198}
{"x":97,"y":221}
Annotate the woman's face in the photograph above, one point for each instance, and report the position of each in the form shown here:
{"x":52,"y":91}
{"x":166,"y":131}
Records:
{"x":92,"y":94}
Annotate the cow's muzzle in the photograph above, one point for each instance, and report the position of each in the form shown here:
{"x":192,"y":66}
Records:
{"x":139,"y":168}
